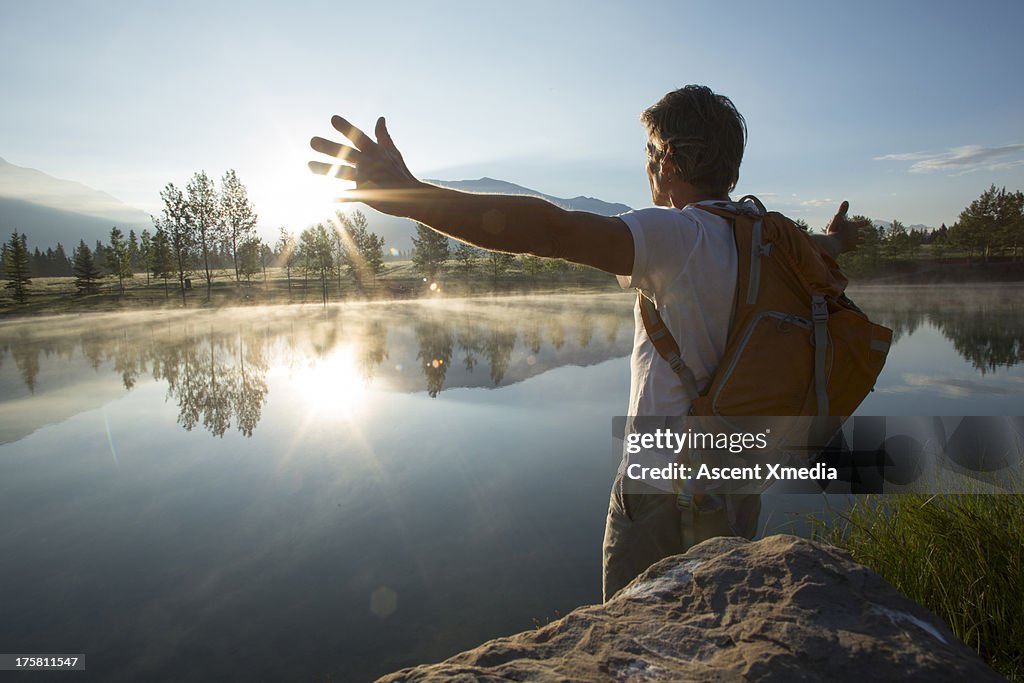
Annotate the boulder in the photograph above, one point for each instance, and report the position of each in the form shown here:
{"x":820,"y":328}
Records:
{"x":780,"y":609}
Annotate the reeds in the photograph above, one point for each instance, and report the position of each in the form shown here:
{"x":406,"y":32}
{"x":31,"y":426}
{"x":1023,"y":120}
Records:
{"x":960,"y":556}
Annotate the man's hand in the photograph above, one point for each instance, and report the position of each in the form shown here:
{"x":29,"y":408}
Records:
{"x":377,"y":168}
{"x":846,"y":233}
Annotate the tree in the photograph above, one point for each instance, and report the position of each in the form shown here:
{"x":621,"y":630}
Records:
{"x":316,"y":250}
{"x":87,"y":273}
{"x":976,"y":230}
{"x":204,"y":222}
{"x":249,"y":258}
{"x":430,"y":252}
{"x":161,"y":257}
{"x":16,"y":265}
{"x":146,"y":254}
{"x":802,"y":224}
{"x":119,"y":257}
{"x":498,"y":262}
{"x":134,"y":254}
{"x":360,"y":251}
{"x":237,"y":215}
{"x":180,"y":237}
{"x":61,"y":262}
{"x":286,"y":247}
{"x":466,"y":256}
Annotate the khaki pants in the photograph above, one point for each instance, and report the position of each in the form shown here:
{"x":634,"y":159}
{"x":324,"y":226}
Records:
{"x":643,"y":528}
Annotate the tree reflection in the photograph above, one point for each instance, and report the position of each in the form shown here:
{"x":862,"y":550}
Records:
{"x":374,"y":345}
{"x":471,"y":340}
{"x":498,"y":348}
{"x":434,"y":338}
{"x":215,"y":365}
{"x":987,"y":332}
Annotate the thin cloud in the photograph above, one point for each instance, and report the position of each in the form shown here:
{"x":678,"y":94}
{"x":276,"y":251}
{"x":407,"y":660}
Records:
{"x":961,"y":160}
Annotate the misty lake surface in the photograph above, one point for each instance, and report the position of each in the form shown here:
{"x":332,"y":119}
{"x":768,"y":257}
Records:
{"x":309,"y":493}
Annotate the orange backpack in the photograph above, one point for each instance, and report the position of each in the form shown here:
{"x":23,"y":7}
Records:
{"x":797,"y":345}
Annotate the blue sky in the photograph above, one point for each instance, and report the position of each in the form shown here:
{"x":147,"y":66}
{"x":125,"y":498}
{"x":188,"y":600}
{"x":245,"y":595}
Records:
{"x":907,"y":109}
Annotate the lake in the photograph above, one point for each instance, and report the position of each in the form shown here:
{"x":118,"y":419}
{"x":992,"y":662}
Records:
{"x":310,"y":493}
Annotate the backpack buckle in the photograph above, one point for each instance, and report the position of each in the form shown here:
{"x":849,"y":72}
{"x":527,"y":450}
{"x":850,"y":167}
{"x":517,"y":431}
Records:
{"x":819,"y":309}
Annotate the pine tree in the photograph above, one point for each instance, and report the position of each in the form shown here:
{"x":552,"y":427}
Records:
{"x":119,"y":258}
{"x":134,"y":254}
{"x":17,"y":261}
{"x":161,"y":258}
{"x":358,"y":250}
{"x":62,"y":264}
{"x":466,"y":256}
{"x":146,"y":254}
{"x":431,"y":251}
{"x":87,"y":274}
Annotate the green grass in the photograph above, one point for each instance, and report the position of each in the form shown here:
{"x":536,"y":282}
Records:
{"x":961,"y":556}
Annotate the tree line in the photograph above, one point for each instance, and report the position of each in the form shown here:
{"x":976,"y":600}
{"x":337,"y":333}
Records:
{"x":992,"y":226}
{"x":200,"y":231}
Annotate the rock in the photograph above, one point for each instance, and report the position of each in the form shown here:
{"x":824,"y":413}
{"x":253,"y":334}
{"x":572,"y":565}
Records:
{"x":781,"y":609}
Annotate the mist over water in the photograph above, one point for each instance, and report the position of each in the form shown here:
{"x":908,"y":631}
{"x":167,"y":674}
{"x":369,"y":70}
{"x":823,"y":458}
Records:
{"x":348,"y":490}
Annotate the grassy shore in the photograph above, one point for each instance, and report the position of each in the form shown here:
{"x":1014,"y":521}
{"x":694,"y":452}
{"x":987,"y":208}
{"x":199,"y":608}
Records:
{"x":54,"y":295}
{"x":961,"y":556}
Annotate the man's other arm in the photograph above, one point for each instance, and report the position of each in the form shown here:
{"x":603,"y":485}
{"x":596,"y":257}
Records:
{"x":514,"y":224}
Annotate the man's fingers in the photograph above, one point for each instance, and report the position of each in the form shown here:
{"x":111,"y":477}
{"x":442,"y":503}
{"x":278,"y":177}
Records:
{"x":843,"y":208}
{"x":341,"y":152}
{"x":358,"y":138}
{"x":383,"y":136}
{"x":333,"y":170}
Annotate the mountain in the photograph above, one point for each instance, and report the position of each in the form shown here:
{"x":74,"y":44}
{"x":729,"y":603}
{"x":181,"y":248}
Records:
{"x":398,"y":232}
{"x":492,"y":186}
{"x":50,"y":210}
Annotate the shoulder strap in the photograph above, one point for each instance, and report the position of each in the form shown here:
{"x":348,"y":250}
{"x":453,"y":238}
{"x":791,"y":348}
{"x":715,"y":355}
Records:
{"x":665,"y":344}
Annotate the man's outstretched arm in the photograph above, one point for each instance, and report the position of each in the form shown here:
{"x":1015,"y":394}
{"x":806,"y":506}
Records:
{"x":514,"y":224}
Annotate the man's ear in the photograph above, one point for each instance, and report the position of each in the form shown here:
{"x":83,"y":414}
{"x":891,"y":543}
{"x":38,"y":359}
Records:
{"x":669,"y":167}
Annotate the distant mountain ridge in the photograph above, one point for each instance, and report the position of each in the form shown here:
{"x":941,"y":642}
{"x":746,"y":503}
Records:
{"x":492,"y":186}
{"x":51,"y":210}
{"x":398,"y":232}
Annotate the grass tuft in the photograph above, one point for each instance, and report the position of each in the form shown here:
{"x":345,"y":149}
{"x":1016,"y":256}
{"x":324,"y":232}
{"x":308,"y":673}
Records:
{"x":960,"y":556}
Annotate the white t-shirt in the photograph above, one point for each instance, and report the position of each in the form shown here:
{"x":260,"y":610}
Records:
{"x":685,"y":260}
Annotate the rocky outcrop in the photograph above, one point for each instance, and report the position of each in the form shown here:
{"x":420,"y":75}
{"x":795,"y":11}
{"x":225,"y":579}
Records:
{"x":781,"y":609}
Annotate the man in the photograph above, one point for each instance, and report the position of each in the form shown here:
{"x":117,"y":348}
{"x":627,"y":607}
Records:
{"x":682,"y":257}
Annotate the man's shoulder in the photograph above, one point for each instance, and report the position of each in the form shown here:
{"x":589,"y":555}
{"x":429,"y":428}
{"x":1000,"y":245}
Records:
{"x":659,"y":217}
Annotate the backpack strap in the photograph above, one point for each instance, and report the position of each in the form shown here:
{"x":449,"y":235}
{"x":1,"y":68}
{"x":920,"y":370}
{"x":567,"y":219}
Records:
{"x":819,"y":315}
{"x":665,"y":344}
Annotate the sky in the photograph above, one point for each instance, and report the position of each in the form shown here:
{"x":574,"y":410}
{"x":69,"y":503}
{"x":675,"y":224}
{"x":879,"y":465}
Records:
{"x":907,"y":109}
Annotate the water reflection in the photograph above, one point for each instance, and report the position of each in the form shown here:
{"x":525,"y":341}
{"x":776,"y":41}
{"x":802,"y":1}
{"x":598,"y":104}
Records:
{"x":370,"y":500}
{"x":215,"y":364}
{"x":984,"y":323}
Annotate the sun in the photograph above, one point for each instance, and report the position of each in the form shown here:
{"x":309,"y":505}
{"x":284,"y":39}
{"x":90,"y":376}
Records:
{"x":332,"y":384}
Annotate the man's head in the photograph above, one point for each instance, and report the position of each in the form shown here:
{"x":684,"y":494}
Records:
{"x":694,"y":137}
